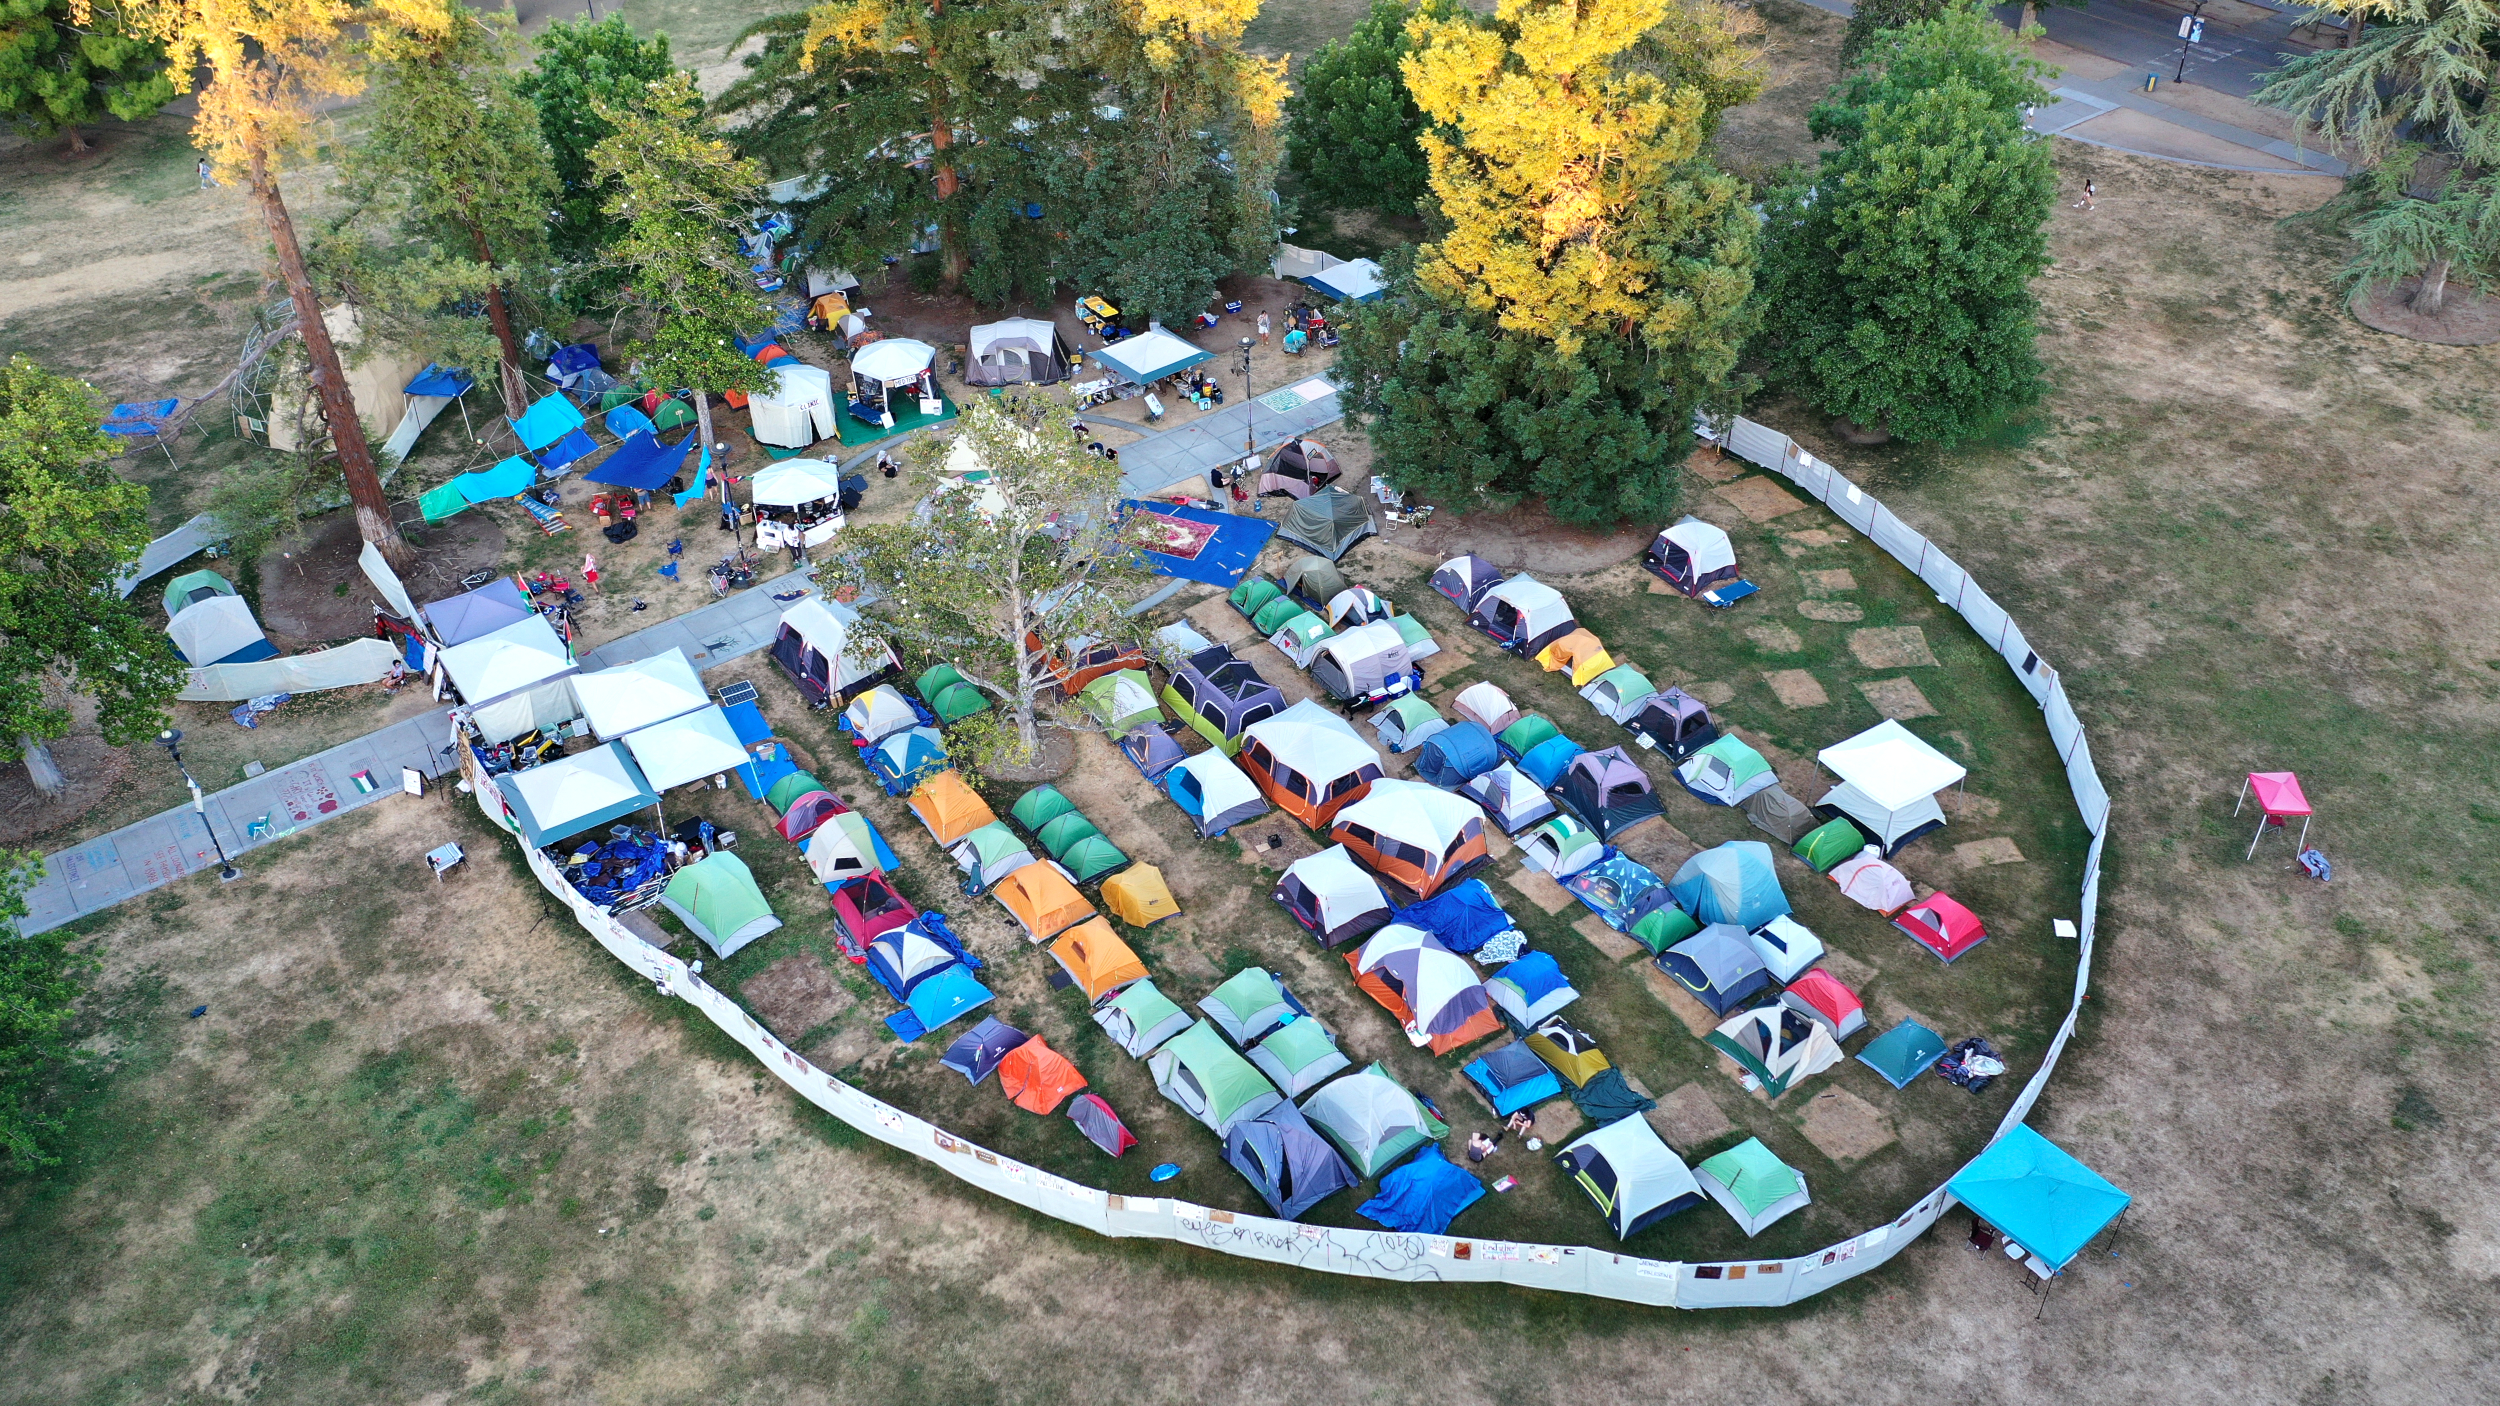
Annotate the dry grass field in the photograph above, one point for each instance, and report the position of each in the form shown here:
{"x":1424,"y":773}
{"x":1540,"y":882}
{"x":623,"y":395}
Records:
{"x":429,"y":1144}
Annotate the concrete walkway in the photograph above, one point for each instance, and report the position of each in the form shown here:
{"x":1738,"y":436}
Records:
{"x":2079,"y":103}
{"x":175,"y":845}
{"x":1215,"y":440}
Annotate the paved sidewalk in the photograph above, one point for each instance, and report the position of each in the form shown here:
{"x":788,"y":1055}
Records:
{"x":1216,"y":440}
{"x":2078,"y":103}
{"x":175,"y":845}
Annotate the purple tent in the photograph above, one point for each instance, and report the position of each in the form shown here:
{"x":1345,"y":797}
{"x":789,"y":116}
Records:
{"x":977,"y":1051}
{"x":1101,"y":1126}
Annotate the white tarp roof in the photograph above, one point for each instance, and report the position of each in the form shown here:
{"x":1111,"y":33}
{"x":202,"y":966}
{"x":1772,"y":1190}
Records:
{"x":628,"y":696}
{"x":214,"y":628}
{"x":687,"y":748}
{"x":1152,"y":355}
{"x":891,"y":360}
{"x":1413,"y":812}
{"x":1015,"y":334}
{"x":1355,"y":280}
{"x":1316,"y":742}
{"x":795,"y":481}
{"x":1891,"y":766}
{"x":513,"y":658}
{"x":570,"y":794}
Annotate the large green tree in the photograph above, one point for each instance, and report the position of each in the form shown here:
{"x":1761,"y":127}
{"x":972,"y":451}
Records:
{"x":1168,"y":181}
{"x":580,"y":66}
{"x":1896,"y":282}
{"x":679,"y":192}
{"x":1000,"y":574}
{"x":888,"y":110}
{"x":68,"y":526}
{"x":66,"y":63}
{"x":1591,"y":289}
{"x":454,"y":157}
{"x":41,"y":979}
{"x":1351,"y":125}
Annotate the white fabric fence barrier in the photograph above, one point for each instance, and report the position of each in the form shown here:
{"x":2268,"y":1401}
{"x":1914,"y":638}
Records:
{"x":1571,"y":1269}
{"x":362,"y":661}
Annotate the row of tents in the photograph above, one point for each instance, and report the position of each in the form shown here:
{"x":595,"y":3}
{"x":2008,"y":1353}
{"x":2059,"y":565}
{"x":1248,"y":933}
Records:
{"x":1348,"y":638}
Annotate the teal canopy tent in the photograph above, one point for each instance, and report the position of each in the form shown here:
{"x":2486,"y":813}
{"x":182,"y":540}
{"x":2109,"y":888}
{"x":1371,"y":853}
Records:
{"x":2038,"y":1195}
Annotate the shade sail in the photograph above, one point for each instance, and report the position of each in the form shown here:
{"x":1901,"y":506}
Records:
{"x":642,"y":461}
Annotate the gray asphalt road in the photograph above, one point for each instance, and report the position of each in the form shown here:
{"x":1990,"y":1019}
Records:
{"x":2147,"y":34}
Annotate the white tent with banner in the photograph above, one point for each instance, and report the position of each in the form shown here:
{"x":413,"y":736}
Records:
{"x":1889,"y":778}
{"x":809,"y":488}
{"x":799,"y":411}
{"x":624,"y":697}
{"x":688,"y":748}
{"x":516,"y":679}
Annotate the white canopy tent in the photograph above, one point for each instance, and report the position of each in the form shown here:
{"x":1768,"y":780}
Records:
{"x":800,"y":409}
{"x":811,"y":487}
{"x":518,"y":678}
{"x":1150,"y":356}
{"x":688,"y":748}
{"x":1889,"y":778}
{"x":572,"y":794}
{"x":621,"y":699}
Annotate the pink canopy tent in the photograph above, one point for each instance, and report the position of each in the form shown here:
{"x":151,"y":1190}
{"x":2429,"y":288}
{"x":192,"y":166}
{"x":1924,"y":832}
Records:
{"x":2279,"y":796}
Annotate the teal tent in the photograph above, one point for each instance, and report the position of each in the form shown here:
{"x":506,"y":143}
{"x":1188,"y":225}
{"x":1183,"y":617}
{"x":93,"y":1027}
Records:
{"x":1903,"y":1053}
{"x":2038,"y":1195}
{"x":192,"y":587}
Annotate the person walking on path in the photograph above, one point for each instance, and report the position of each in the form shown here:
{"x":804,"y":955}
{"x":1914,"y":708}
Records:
{"x":1262,"y":316}
{"x":208,"y":177}
{"x":2089,"y":191}
{"x":590,"y":570}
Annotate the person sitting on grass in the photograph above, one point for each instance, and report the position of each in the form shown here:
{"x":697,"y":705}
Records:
{"x":1481,"y":1145}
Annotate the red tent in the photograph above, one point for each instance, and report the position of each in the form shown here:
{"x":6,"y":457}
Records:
{"x":1942,"y":926}
{"x":1819,"y":996}
{"x":2280,"y":797}
{"x":1037,"y":1077}
{"x":869,"y":907}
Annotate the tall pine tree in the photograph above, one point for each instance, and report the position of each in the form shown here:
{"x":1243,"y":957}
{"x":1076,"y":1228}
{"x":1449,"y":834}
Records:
{"x":1351,"y":126}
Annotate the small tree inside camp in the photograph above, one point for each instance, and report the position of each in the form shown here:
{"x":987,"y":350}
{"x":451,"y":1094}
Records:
{"x":1004,"y":571}
{"x":580,"y":65}
{"x":454,"y":156}
{"x":680,"y":191}
{"x":270,"y":67}
{"x":69,"y":527}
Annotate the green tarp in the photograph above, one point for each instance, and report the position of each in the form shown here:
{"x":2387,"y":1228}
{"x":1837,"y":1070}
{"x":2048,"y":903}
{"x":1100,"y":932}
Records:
{"x":1829,"y":843}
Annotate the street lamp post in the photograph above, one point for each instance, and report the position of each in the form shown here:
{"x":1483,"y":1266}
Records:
{"x":171,"y":741}
{"x":1249,"y":437}
{"x":2191,"y":32}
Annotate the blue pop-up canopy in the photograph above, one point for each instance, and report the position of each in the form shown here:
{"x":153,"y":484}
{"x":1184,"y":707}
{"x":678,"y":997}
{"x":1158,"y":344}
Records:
{"x":2039,"y":1195}
{"x":440,"y":380}
{"x":642,"y":461}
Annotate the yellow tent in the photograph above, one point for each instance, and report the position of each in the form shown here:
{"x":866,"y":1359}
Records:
{"x":1042,"y":899}
{"x":1571,"y":1051}
{"x":950,"y":808}
{"x":1138,"y":896}
{"x":1096,"y":959}
{"x":1580,"y":654}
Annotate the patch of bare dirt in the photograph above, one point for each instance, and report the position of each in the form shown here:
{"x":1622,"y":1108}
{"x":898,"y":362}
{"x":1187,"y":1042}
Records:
{"x":2467,"y":318}
{"x":92,"y":770}
{"x":312,"y":590}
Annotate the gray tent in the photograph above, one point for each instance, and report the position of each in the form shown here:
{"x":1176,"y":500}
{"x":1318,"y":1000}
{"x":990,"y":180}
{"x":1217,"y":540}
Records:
{"x":1328,"y":522}
{"x":1018,"y":351}
{"x":1292,"y":1166}
{"x":1372,"y":1119}
{"x":1778,"y":814}
{"x":1717,"y":965}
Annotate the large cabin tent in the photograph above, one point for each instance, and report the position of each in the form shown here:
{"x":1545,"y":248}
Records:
{"x":1310,"y":762}
{"x":1016,"y":351}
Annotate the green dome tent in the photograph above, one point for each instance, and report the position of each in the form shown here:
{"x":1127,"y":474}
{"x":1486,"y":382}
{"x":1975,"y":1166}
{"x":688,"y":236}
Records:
{"x":1040,"y":806}
{"x":718,"y":900}
{"x":1064,"y":832}
{"x":1092,"y":857}
{"x":1829,"y":843}
{"x":790,"y":788}
{"x":949,"y":695}
{"x":192,"y":587}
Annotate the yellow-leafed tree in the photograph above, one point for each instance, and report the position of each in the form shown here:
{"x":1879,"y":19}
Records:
{"x":267,"y":66}
{"x":1590,"y":290}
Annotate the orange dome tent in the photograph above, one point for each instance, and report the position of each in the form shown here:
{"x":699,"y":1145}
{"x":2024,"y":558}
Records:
{"x":949,"y":807}
{"x":1096,"y":959}
{"x":1042,"y":899}
{"x":1038,"y":1077}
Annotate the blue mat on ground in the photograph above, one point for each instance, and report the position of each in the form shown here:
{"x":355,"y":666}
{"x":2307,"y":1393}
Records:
{"x":746,"y":721}
{"x":642,"y":461}
{"x":1226,"y":557}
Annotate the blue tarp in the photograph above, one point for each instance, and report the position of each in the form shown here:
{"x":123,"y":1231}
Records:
{"x":1547,"y":760}
{"x":546,"y":422}
{"x":948,"y":996}
{"x":2038,"y":1194}
{"x":642,"y":461}
{"x":1423,"y":1196}
{"x":138,"y":417}
{"x":1733,"y":883}
{"x":575,"y":446}
{"x":702,"y":479}
{"x":438,"y":380}
{"x":1457,"y":755}
{"x":506,"y":480}
{"x":1226,"y":557}
{"x":1461,"y":919}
